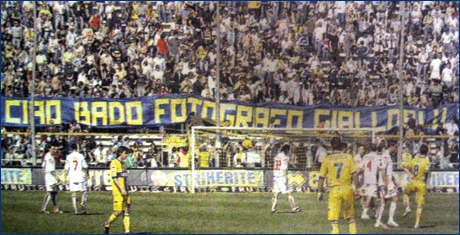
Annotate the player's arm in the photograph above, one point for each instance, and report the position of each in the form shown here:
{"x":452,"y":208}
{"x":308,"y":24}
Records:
{"x":118,"y":184}
{"x":406,"y":169}
{"x":322,"y":175}
{"x":320,"y":188}
{"x":356,"y":183}
{"x":428,"y":174}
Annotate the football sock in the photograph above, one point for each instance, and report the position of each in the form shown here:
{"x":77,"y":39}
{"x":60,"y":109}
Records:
{"x":54,"y":198}
{"x":126,"y":223}
{"x":418,"y":214}
{"x":381,"y":209}
{"x":274,"y":200}
{"x":406,"y":200}
{"x":74,"y":201}
{"x":291,"y":201}
{"x":392,"y":210}
{"x":335,"y":227}
{"x":113,"y":217}
{"x":45,"y":202}
{"x":352,"y":226}
{"x":365,"y":210}
{"x":84,"y":198}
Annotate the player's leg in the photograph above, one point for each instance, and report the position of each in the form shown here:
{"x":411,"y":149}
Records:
{"x":274,"y":201}
{"x":381,"y":208}
{"x":334,"y":205}
{"x":391,"y":221}
{"x":117,"y":211}
{"x":370,"y":192}
{"x":392,"y":194}
{"x":421,"y":195}
{"x":54,"y":200}
{"x":292,"y":202}
{"x":84,"y":197}
{"x":410,"y":188}
{"x":349,"y":210}
{"x":278,"y":186}
{"x":126,"y":219}
{"x":45,"y":202}
{"x":367,"y":205}
{"x":74,"y":202}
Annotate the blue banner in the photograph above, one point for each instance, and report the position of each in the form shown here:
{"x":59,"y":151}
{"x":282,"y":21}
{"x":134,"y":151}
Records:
{"x":173,"y":109}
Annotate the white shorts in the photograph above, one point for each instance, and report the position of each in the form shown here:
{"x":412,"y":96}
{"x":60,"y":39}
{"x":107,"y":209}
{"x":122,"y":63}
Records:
{"x":280,"y":185}
{"x":369,"y":190}
{"x":392,"y":190}
{"x":50,"y":182}
{"x":77,"y":186}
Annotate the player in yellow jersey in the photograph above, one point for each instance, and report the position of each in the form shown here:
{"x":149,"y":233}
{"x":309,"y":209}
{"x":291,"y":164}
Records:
{"x":406,"y":157}
{"x":418,"y":169}
{"x":340,"y":169}
{"x":121,"y":197}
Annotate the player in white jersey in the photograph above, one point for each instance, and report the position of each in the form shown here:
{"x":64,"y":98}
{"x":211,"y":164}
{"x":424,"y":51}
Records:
{"x":280,"y":179}
{"x":391,"y":189}
{"x":358,"y":158}
{"x":51,"y":181}
{"x":76,"y":167}
{"x":371,"y":166}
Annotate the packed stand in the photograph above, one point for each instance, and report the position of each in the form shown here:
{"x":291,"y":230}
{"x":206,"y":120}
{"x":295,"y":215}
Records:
{"x":299,"y":53}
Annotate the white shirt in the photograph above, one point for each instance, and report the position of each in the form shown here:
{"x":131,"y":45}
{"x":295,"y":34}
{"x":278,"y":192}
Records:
{"x":49,"y":163}
{"x":281,"y":163}
{"x":74,"y":166}
{"x":451,"y":128}
{"x":387,"y":163}
{"x":371,"y":164}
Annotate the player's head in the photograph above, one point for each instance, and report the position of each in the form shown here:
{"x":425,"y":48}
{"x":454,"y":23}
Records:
{"x":423,"y":149}
{"x":373,"y":147}
{"x":392,"y":145}
{"x":285,"y":148}
{"x":336,"y":143}
{"x":74,"y":146}
{"x":122,"y":152}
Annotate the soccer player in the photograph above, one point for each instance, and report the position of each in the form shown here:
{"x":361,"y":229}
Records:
{"x":76,"y":167}
{"x":419,"y":170}
{"x":280,"y":179}
{"x":51,"y":181}
{"x":121,"y":197}
{"x":391,"y":191}
{"x":371,"y":166}
{"x":358,"y":160}
{"x":340,"y":169}
{"x":406,"y":157}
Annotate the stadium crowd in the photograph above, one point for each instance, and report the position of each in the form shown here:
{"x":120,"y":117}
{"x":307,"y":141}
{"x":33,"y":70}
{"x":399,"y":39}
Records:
{"x":298,"y":53}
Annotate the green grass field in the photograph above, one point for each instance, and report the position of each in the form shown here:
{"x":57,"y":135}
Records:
{"x":210,"y":213}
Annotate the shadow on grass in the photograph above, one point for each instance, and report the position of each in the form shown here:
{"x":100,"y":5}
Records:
{"x":89,"y":214}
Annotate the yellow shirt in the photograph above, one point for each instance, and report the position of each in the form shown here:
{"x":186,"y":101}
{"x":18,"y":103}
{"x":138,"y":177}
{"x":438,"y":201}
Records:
{"x":204,"y":159}
{"x":253,"y":4}
{"x":68,"y":56}
{"x":419,"y":167}
{"x":184,"y":160}
{"x":338,"y":168}
{"x":406,"y":157}
{"x":118,"y":170}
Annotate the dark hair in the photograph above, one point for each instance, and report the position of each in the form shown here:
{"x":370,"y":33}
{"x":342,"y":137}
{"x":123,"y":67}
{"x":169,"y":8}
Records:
{"x":74,"y":146}
{"x":285,"y":148}
{"x":122,"y":149}
{"x":336,"y":143}
{"x":423,"y":149}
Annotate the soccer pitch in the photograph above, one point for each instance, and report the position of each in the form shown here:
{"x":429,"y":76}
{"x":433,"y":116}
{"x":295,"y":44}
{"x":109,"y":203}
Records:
{"x":211,"y":213}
